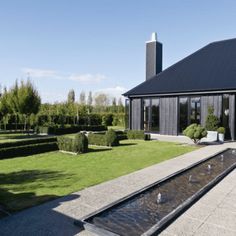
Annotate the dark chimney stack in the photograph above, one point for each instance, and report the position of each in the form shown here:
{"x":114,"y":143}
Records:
{"x":153,"y":57}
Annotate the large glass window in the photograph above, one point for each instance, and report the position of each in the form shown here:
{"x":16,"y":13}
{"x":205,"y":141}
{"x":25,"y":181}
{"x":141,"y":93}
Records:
{"x":189,"y":111}
{"x":195,"y":112}
{"x":225,"y":114}
{"x":155,"y":115}
{"x":146,"y":114}
{"x":127,"y":113}
{"x":151,"y":114}
{"x":183,"y":113}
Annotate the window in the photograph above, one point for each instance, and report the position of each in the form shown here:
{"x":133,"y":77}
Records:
{"x":155,"y":114}
{"x":183,"y":113}
{"x":225,"y":114}
{"x":151,"y":113}
{"x":195,"y":112}
{"x":146,"y":114}
{"x":189,"y":111}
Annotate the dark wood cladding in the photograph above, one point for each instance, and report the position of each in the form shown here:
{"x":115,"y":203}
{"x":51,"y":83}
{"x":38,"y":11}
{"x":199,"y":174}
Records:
{"x":136,"y":114}
{"x":169,"y":115}
{"x":232,"y":116}
{"x":214,"y":101}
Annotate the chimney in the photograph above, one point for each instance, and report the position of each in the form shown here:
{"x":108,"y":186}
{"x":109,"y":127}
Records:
{"x":153,"y":57}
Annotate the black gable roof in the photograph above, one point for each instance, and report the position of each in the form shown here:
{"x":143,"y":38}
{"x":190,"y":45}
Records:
{"x":211,"y":68}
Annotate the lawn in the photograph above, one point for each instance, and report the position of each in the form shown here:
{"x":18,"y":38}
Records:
{"x":28,"y":181}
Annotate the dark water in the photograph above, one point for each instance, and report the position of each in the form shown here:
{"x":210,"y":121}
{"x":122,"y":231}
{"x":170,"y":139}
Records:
{"x":138,"y":214}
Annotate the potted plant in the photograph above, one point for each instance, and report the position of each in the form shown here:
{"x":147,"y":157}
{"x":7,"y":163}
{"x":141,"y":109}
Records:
{"x":221,"y":132}
{"x":212,"y":124}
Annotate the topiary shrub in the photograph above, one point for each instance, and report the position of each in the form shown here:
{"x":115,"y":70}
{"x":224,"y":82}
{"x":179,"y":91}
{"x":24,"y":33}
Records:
{"x":221,"y":130}
{"x":78,"y":144}
{"x":112,"y":138}
{"x":212,"y":121}
{"x":138,"y":134}
{"x":97,"y":139}
{"x":195,"y":132}
{"x":81,"y":143}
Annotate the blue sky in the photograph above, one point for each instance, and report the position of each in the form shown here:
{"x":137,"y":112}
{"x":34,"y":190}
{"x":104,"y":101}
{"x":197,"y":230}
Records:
{"x":99,"y":45}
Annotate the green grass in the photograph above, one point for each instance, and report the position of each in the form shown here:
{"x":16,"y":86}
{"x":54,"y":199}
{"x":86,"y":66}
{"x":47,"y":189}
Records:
{"x":28,"y":181}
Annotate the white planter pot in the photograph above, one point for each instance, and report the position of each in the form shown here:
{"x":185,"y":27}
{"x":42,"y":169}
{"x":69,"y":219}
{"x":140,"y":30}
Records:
{"x":221,"y":137}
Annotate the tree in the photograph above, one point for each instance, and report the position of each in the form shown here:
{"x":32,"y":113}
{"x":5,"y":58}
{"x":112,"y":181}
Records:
{"x":101,"y":100}
{"x":90,"y":99}
{"x":13,"y":101}
{"x":82,"y":98}
{"x":4,"y":107}
{"x":29,"y":100}
{"x":212,"y":121}
{"x":71,"y":96}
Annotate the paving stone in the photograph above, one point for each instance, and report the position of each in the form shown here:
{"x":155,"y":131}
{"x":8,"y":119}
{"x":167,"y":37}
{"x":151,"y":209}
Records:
{"x":183,"y":226}
{"x":213,"y":230}
{"x":223,"y":218}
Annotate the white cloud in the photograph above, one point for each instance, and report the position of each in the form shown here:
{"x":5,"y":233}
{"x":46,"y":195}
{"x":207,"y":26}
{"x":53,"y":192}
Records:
{"x":88,"y":78}
{"x":39,"y":73}
{"x":83,"y":78}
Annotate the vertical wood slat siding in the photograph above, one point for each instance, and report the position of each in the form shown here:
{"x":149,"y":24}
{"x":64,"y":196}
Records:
{"x":136,"y":114}
{"x":215,"y":102}
{"x":168,"y":115}
{"x":232,"y":116}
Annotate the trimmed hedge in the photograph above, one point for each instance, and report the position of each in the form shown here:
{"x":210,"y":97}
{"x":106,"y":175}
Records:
{"x":27,"y":150}
{"x":78,"y":144}
{"x":110,"y":138}
{"x":97,"y":139}
{"x":138,"y":134}
{"x":69,"y":129}
{"x":28,"y":142}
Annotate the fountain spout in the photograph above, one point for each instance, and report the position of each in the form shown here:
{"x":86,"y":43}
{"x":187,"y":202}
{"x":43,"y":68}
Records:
{"x":222,"y":157}
{"x":209,"y":167}
{"x":159,"y":198}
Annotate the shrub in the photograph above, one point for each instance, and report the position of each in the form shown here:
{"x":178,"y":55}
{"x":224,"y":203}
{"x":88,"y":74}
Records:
{"x":28,"y":142}
{"x":107,"y":119}
{"x":81,"y":142}
{"x":221,"y":130}
{"x":70,"y":129}
{"x":138,"y":134}
{"x":27,"y":150}
{"x":97,"y":139}
{"x":195,"y":132}
{"x":112,"y":138}
{"x":212,"y":121}
{"x":78,"y":144}
{"x":118,"y":119}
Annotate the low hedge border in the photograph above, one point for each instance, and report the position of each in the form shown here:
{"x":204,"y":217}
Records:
{"x":138,"y":134}
{"x":27,"y":150}
{"x":69,"y":130}
{"x":28,"y":142}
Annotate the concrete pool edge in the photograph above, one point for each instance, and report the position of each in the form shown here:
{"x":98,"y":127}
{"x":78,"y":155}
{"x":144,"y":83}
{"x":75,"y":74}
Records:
{"x":177,"y":211}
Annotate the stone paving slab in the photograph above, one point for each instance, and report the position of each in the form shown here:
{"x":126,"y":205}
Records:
{"x":56,"y":217}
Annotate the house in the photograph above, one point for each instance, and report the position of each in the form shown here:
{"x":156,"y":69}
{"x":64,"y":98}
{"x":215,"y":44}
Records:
{"x":169,"y":100}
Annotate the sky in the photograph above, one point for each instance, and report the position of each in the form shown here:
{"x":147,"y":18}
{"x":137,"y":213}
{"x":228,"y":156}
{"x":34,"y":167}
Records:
{"x":99,"y":45}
